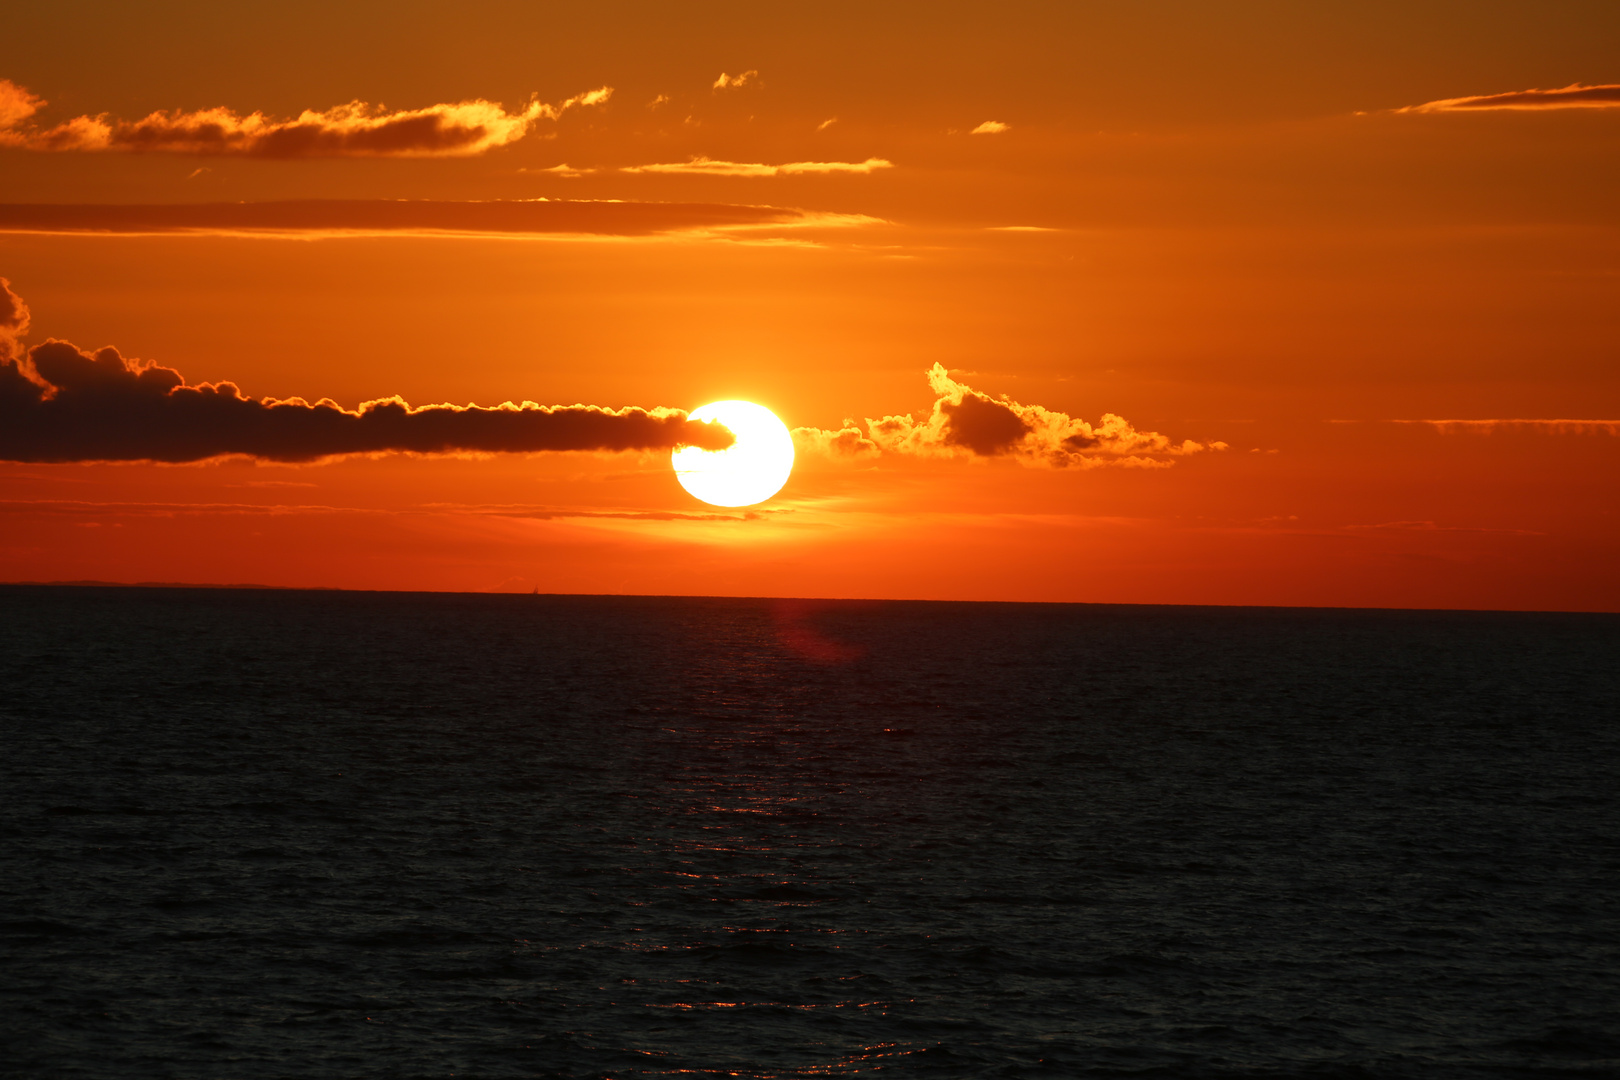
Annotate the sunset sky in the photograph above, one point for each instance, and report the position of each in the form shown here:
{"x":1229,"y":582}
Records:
{"x":1208,"y":303}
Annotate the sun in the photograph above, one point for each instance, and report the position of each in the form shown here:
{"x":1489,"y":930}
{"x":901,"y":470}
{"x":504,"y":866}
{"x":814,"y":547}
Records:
{"x":750,"y":470}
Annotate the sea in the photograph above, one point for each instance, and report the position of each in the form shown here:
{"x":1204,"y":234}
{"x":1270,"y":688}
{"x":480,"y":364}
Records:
{"x":271,"y":833}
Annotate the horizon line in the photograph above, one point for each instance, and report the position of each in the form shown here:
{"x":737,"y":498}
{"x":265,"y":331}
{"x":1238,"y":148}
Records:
{"x":85,"y":583}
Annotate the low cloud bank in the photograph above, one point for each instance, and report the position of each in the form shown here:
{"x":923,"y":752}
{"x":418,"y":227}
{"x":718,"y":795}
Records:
{"x":60,"y":404}
{"x":966,"y":423}
{"x":357,"y":129}
{"x":1573,"y":96}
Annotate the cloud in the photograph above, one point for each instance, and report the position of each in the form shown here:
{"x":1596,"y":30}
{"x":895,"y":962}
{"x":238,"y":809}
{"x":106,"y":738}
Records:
{"x":60,"y":404}
{"x":1573,"y":96}
{"x":967,"y":423}
{"x":357,"y":129}
{"x":731,"y":82}
{"x":373,"y":216}
{"x":990,"y":127}
{"x":599,"y":96}
{"x":13,"y":321}
{"x":16,"y":104}
{"x":1550,"y":427}
{"x":702,"y":166}
{"x":1429,"y":526}
{"x":827,"y":123}
{"x":88,"y":508}
{"x":845,"y":443}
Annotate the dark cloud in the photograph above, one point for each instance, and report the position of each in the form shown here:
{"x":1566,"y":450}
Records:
{"x":60,"y":404}
{"x":981,"y":424}
{"x":394,"y":216}
{"x":1574,"y":96}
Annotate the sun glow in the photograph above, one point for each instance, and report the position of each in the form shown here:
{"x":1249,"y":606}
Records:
{"x":750,"y":470}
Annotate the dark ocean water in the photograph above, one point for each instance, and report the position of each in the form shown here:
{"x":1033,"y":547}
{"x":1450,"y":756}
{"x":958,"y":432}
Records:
{"x":278,"y":834}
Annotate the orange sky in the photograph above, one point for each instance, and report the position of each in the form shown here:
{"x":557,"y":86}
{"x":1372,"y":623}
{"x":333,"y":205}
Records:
{"x":1293,"y":235}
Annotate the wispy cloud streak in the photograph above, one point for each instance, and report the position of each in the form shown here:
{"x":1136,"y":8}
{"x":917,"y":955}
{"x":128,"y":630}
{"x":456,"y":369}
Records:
{"x":702,"y":166}
{"x":1574,"y":96}
{"x":103,"y":509}
{"x":1547,"y":426}
{"x":357,"y":129}
{"x":538,"y":216}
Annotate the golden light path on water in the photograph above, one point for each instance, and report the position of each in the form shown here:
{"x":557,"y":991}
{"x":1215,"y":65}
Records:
{"x":750,"y":470}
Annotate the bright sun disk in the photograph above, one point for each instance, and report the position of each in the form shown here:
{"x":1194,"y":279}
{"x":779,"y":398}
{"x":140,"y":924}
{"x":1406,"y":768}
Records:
{"x":750,"y":470}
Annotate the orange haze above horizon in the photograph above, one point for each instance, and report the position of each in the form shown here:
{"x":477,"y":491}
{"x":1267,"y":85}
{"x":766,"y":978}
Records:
{"x":1207,"y":287}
